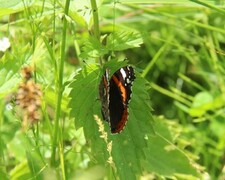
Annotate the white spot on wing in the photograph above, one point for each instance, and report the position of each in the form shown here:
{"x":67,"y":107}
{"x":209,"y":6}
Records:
{"x":123,"y":73}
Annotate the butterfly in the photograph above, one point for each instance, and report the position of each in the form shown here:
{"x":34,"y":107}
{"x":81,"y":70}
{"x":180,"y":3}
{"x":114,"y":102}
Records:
{"x":115,"y":94}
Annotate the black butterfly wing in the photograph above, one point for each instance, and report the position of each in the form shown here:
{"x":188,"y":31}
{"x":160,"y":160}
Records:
{"x":119,"y":96}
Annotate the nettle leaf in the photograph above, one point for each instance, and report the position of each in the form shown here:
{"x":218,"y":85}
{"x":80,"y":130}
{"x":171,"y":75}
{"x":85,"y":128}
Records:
{"x":83,"y":100}
{"x":122,"y":40}
{"x":164,"y":158}
{"x":128,"y":146}
{"x":117,"y":41}
{"x":93,"y":48}
{"x":84,"y":104}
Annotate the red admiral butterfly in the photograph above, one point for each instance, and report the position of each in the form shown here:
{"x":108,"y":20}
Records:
{"x":115,"y":93}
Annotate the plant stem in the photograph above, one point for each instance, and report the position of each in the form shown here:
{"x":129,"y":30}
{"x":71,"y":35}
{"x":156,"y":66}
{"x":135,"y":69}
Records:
{"x":60,"y":85}
{"x":95,"y":19}
{"x":96,"y":24}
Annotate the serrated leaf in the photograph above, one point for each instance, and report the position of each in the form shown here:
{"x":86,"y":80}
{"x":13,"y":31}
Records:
{"x":83,"y":98}
{"x":117,"y":41}
{"x":122,"y":40}
{"x":84,"y":104}
{"x":127,"y":150}
{"x":93,"y":48}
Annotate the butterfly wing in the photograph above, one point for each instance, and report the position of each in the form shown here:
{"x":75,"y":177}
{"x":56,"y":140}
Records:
{"x":119,"y":96}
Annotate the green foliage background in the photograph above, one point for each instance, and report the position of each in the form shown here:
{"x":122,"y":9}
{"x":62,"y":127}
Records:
{"x":176,"y":123}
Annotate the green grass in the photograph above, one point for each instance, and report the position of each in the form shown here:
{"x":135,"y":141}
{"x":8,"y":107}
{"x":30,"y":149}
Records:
{"x":176,"y":123}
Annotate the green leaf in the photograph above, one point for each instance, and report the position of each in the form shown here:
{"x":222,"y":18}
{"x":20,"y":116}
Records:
{"x":217,"y":125}
{"x":83,"y":98}
{"x":93,"y":48}
{"x":203,"y":102}
{"x":12,"y":6}
{"x":122,"y":40}
{"x":183,"y":2}
{"x":117,"y":41}
{"x":3,"y":174}
{"x":128,"y":146}
{"x":35,"y":164}
{"x":10,"y":69}
{"x":10,"y":77}
{"x":164,"y":158}
{"x":25,"y":151}
{"x":81,"y":12}
{"x":93,"y":173}
{"x":20,"y":172}
{"x":84,"y":104}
